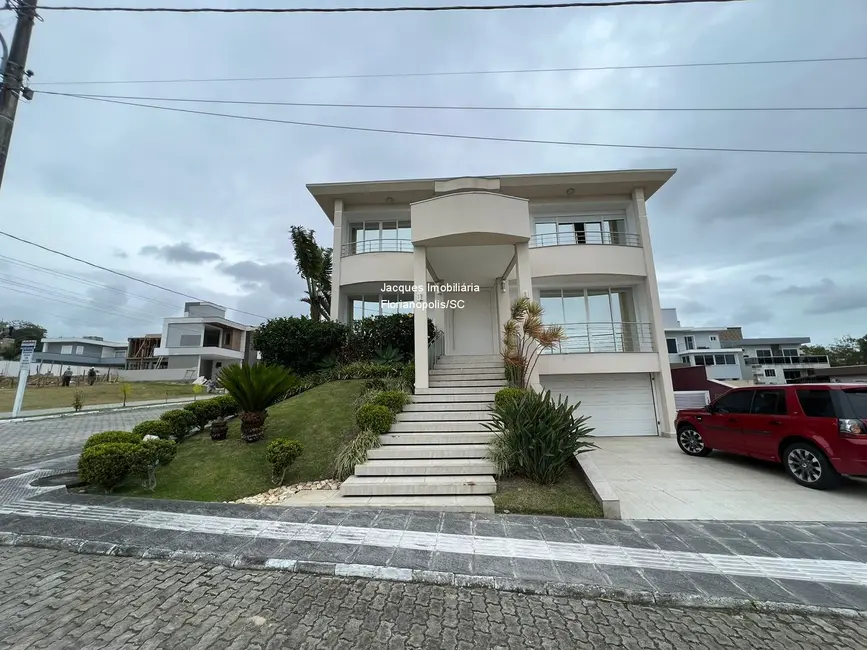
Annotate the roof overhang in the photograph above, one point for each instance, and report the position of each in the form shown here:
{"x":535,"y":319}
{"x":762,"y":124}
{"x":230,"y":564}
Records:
{"x":527,"y":186}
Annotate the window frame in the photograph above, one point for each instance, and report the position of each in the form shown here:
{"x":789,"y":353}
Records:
{"x":729,"y":394}
{"x":776,"y":391}
{"x":770,"y":372}
{"x":66,"y":349}
{"x":612,"y":225}
{"x":668,"y":343}
{"x":826,"y":391}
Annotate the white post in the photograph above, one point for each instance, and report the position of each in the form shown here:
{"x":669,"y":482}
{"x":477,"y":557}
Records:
{"x":668,"y":410}
{"x":419,"y":264}
{"x":27,"y":349}
{"x":336,"y":253}
{"x":522,"y":268}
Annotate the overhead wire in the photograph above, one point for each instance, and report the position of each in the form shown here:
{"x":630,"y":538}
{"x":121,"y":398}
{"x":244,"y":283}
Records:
{"x":460,"y":136}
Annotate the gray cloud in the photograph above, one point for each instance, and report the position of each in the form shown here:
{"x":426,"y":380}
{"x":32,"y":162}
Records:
{"x":752,"y":314}
{"x":764,"y":278}
{"x":823,"y":286}
{"x":280,"y":278}
{"x":182,"y":253}
{"x":694,"y":307}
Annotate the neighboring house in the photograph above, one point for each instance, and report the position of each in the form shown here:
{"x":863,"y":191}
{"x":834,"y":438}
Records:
{"x":702,"y":346}
{"x":81,"y":354}
{"x":837,"y":374}
{"x":578,"y":243}
{"x":140,"y":353}
{"x":200,"y":343}
{"x":777,"y":360}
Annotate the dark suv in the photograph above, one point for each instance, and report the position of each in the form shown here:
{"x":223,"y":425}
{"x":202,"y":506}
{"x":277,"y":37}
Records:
{"x":818,"y":431}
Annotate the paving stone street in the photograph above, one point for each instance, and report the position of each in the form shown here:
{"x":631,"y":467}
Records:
{"x":53,"y":599}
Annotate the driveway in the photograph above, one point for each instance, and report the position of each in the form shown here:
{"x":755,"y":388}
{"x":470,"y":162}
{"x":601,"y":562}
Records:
{"x":655,"y":480}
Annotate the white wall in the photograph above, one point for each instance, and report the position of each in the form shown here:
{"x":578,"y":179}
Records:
{"x":164,"y":374}
{"x":182,"y":362}
{"x":174,"y":331}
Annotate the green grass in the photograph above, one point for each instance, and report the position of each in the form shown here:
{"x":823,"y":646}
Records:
{"x":47,"y":397}
{"x":205,"y":470}
{"x":569,"y":498}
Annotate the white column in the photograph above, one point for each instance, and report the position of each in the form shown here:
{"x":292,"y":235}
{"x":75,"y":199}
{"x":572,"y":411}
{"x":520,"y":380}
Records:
{"x":666,"y":388}
{"x":419,"y":265}
{"x":522,"y":268}
{"x":337,"y":246}
{"x":503,"y":307}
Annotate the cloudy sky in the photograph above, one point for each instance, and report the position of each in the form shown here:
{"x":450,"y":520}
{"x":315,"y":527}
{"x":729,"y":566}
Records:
{"x":774,"y":243}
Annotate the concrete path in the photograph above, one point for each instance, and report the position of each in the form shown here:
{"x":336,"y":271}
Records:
{"x":95,"y":408}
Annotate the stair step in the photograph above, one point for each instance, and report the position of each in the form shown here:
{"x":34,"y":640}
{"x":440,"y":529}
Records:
{"x":458,"y":503}
{"x":476,"y":383}
{"x":470,"y":357}
{"x":424,"y":427}
{"x":444,"y":415}
{"x":387,"y":452}
{"x":475,"y":376}
{"x":450,"y":405}
{"x":455,"y":399}
{"x":462,"y":371}
{"x":373,"y":486}
{"x":459,"y":390}
{"x":426,"y":467}
{"x":437,"y":438}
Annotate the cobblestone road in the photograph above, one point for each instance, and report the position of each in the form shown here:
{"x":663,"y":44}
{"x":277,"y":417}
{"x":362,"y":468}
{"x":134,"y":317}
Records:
{"x":53,"y":599}
{"x":25,"y":443}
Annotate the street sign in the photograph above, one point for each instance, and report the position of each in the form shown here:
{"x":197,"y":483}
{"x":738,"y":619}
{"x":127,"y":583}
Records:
{"x":27,"y":350}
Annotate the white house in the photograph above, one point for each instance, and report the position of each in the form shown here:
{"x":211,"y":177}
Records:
{"x":702,"y":346}
{"x":777,"y":360}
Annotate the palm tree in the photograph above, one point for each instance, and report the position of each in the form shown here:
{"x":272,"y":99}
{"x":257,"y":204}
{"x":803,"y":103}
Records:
{"x":525,"y":337}
{"x":255,"y":388}
{"x":314,"y":265}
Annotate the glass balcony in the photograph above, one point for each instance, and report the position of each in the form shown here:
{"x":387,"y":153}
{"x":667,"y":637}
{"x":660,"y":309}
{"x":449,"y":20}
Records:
{"x":787,"y":361}
{"x":376,"y":246}
{"x":605,"y":337}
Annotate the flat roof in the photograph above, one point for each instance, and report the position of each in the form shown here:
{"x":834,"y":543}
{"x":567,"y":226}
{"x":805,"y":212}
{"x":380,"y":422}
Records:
{"x":790,"y":340}
{"x":73,"y":339}
{"x":528,"y":186}
{"x":842,"y":371}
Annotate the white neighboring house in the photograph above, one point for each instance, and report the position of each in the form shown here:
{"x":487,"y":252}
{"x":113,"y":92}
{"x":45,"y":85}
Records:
{"x":200,"y":343}
{"x":777,"y":360}
{"x":579,"y":243}
{"x":702,"y":346}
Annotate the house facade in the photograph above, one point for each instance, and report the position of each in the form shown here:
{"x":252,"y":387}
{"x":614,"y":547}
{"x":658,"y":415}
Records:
{"x":200,"y":343}
{"x":460,"y":251}
{"x":702,"y":346}
{"x":777,"y":360}
{"x":81,"y":354}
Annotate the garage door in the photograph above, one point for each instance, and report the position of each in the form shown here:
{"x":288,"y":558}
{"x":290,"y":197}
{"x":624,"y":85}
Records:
{"x":618,"y":405}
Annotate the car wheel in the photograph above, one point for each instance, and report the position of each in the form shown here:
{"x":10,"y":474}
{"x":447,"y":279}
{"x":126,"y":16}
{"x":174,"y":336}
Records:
{"x":691,"y":443}
{"x":810,"y":467}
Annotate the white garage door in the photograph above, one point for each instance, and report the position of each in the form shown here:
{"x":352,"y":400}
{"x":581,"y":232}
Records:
{"x":618,"y":405}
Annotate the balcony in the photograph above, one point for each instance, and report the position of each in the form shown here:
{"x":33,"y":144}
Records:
{"x":788,"y":361}
{"x":619,"y":256}
{"x":583,"y":338}
{"x":376,"y":246}
{"x":590,"y":238}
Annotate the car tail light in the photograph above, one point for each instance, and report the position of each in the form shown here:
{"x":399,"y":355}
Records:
{"x":850,"y":428}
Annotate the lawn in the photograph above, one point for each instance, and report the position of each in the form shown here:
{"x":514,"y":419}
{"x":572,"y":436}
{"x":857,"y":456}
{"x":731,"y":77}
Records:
{"x":204,"y":470}
{"x":59,"y":396}
{"x":569,"y":498}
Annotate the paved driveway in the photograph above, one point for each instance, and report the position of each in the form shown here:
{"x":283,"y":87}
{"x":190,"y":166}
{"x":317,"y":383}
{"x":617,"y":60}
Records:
{"x":655,"y":480}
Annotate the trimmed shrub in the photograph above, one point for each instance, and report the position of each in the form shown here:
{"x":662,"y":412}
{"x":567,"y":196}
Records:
{"x":205,"y":411}
{"x":281,"y":454}
{"x":394,"y":400}
{"x":157,"y":428}
{"x":148,"y":456}
{"x":537,"y":437}
{"x":407,"y":373}
{"x":181,"y":422}
{"x":128,"y":437}
{"x":106,"y":465}
{"x":299,"y":343}
{"x":507,"y":394}
{"x":396,"y":331}
{"x":374,"y":384}
{"x":354,"y":453}
{"x":228,"y":406}
{"x":375,"y":418}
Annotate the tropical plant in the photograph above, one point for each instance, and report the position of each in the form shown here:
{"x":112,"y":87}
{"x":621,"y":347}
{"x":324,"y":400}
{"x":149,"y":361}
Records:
{"x":198,"y":389}
{"x":128,"y":437}
{"x":158,"y":428}
{"x":407,"y":373}
{"x":537,"y":437}
{"x":525,"y":338}
{"x":394,"y":400}
{"x":78,"y":401}
{"x":205,"y":412}
{"x":314,"y":265}
{"x":387,"y":356}
{"x":256,"y":387}
{"x":505,"y":394}
{"x":375,"y":418}
{"x":354,"y":453}
{"x":181,"y":422}
{"x":328,"y":362}
{"x":299,"y":343}
{"x":393,"y":330}
{"x":148,"y":456}
{"x":106,"y":465}
{"x":125,"y":391}
{"x":281,"y":453}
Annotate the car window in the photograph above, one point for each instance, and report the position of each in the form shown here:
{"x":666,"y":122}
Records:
{"x":816,"y":403}
{"x":858,"y":399}
{"x":769,"y":402}
{"x":734,"y":402}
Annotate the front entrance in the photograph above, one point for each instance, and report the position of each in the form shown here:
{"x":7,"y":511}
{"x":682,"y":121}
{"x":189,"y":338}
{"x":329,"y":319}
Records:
{"x":472,"y":328}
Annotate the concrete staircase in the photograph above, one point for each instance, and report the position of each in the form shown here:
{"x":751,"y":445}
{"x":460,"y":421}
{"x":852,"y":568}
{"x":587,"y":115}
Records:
{"x":434,"y":457}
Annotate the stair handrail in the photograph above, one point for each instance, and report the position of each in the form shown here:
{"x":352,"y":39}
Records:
{"x":435,"y":349}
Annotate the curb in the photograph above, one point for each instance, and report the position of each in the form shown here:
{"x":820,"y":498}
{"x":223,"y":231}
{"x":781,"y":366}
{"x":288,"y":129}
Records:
{"x":442,"y":578}
{"x":56,"y":416}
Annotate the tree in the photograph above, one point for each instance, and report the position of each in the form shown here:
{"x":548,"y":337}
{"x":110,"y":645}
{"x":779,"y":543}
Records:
{"x":314,"y":265}
{"x":525,"y":337}
{"x":23,"y":331}
{"x":255,"y":388}
{"x":844,"y":351}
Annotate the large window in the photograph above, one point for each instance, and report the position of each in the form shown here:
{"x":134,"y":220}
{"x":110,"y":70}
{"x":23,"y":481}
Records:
{"x":769,"y":402}
{"x":590,"y":229}
{"x":734,"y":402}
{"x":379,"y":236}
{"x":672,"y":345}
{"x":371,"y":305}
{"x":596,"y":320}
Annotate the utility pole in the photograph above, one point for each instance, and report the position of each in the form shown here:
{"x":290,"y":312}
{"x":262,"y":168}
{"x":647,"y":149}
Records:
{"x":14,"y":72}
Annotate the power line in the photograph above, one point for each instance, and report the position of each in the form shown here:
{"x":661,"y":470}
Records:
{"x":457,"y":73}
{"x":400,"y":9}
{"x":465,"y":108}
{"x":123,"y":275}
{"x":457,"y":136}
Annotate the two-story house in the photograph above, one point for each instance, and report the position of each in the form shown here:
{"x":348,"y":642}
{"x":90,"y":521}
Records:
{"x":578,"y":243}
{"x":203,"y":341}
{"x":702,"y":346}
{"x":81,"y":354}
{"x":777,"y":360}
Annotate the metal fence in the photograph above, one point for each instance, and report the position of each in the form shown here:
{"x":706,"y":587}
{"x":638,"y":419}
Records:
{"x":376,"y":246}
{"x":570,"y":238}
{"x":606,"y":337}
{"x":435,"y":349}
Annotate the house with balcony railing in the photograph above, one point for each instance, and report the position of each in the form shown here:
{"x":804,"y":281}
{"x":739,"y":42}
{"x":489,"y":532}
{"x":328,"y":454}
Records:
{"x":778,"y":360}
{"x":578,"y":243}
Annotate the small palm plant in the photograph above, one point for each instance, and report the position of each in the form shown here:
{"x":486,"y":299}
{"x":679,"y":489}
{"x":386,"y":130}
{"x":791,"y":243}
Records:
{"x":255,"y":388}
{"x":525,"y":338}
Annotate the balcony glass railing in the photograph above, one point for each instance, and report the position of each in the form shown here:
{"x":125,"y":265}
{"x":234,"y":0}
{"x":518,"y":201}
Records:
{"x":573,"y":238}
{"x":376,"y":246}
{"x":785,"y":361}
{"x":605,"y":337}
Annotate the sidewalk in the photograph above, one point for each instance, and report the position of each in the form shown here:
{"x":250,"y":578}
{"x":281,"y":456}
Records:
{"x":96,"y":408}
{"x":736,"y":565}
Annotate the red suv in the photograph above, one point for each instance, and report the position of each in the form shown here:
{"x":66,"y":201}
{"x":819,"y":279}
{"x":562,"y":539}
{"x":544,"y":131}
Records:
{"x":818,"y":431}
